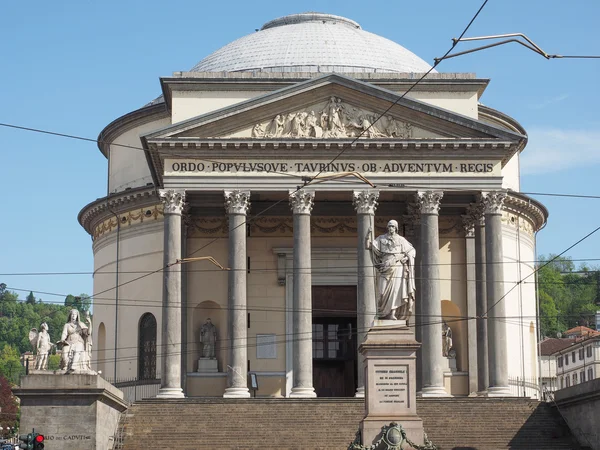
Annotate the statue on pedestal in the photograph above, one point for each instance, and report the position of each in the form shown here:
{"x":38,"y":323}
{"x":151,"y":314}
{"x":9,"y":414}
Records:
{"x":394,"y":259}
{"x":42,"y":346}
{"x":76,"y":341}
{"x":208,"y":337}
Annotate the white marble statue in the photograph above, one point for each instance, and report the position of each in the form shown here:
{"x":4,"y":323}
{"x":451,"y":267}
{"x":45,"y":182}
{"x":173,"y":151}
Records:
{"x":208,"y":339}
{"x":76,"y":341}
{"x":446,"y":340}
{"x":394,"y":259}
{"x":42,"y":346}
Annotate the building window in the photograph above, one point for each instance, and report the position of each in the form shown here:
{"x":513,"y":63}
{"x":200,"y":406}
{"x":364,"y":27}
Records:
{"x":588,"y":351}
{"x":573,"y":357}
{"x":590,"y":373}
{"x":562,"y":382}
{"x":560,"y":361}
{"x":580,"y":354}
{"x":574,"y":379}
{"x":568,"y":381}
{"x":566,"y":360}
{"x":582,"y":376}
{"x":147,"y":348}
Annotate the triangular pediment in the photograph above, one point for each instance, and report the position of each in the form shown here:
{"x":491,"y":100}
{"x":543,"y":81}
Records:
{"x":331,"y":107}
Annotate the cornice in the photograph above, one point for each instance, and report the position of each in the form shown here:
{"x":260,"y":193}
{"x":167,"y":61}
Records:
{"x":106,"y":207}
{"x":128,"y":121}
{"x":500,"y":119}
{"x":527,"y":207}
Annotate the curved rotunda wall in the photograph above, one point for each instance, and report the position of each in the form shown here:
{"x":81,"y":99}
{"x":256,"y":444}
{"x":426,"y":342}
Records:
{"x":128,"y":167}
{"x":518,"y":244}
{"x":140,"y":252}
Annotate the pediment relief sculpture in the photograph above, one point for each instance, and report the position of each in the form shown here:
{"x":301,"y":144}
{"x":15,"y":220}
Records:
{"x":332,"y":119}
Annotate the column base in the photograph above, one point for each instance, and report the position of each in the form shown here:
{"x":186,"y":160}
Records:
{"x":303,"y":392}
{"x":360,"y":392}
{"x":170,"y":393}
{"x":236,"y":392}
{"x":499,"y":391}
{"x":433,"y":391}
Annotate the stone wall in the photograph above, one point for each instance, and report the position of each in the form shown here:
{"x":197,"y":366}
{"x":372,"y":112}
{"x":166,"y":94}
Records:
{"x":579,"y":405}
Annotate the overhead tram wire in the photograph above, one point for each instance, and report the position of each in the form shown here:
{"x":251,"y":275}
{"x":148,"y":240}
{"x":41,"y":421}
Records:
{"x":312,"y":179}
{"x":109,"y":272}
{"x":436,"y":63}
{"x":275,"y":309}
{"x":295,"y":337}
{"x":539,"y":268}
{"x":132,"y":147}
{"x":346,"y":146}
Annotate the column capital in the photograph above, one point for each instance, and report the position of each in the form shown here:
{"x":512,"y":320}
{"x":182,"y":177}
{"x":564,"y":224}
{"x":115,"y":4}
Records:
{"x":468,"y":225}
{"x":473,"y":216}
{"x":429,"y":201}
{"x":237,"y":202}
{"x":365,"y":202}
{"x":493,"y":201}
{"x":302,"y":201}
{"x":173,"y":200}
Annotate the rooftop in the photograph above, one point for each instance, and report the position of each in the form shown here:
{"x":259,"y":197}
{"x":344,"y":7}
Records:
{"x":312,"y":42}
{"x":552,"y":345}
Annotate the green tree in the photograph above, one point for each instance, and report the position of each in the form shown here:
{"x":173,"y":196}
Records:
{"x":53,"y":362}
{"x":567,"y":296}
{"x":81,"y":302}
{"x":30,"y":299}
{"x":10,"y":364}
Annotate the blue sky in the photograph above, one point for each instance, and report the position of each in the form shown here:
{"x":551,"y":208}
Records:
{"x":74,"y":66}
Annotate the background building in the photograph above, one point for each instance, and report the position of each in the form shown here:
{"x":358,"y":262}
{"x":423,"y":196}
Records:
{"x":234,"y":139}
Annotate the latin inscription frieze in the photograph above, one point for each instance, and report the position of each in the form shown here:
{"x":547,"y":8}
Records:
{"x":190,"y":167}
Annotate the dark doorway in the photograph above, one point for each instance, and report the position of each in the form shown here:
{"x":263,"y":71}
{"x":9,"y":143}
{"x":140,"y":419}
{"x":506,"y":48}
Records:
{"x":334,"y":340}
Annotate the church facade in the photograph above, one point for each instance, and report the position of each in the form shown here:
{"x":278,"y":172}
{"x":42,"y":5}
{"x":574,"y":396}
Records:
{"x":246,"y":194}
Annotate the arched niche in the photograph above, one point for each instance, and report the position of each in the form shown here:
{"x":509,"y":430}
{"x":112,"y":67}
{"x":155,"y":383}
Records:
{"x":209,"y":309}
{"x":101,"y":349}
{"x":147,"y":333}
{"x":455,"y":319}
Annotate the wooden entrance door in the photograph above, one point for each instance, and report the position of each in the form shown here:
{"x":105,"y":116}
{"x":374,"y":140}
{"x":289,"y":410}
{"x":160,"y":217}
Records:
{"x":334,"y":341}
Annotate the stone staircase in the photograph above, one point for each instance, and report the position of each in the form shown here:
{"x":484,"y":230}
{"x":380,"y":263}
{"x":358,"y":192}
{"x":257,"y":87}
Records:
{"x":328,"y":423}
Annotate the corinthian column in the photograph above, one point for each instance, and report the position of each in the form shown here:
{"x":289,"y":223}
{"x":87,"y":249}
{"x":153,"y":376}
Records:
{"x":468,"y":223}
{"x":481,"y":295}
{"x":497,"y":344}
{"x":365,"y":203}
{"x":170,"y":386}
{"x":302,"y":204}
{"x":412,"y":220}
{"x":431,"y":319}
{"x":236,"y":205}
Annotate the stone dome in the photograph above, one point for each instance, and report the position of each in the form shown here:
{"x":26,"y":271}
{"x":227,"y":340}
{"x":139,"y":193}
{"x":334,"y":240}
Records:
{"x":312,"y":42}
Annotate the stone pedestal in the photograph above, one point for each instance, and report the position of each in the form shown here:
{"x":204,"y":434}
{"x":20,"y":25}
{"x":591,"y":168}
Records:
{"x":209,"y":365}
{"x":450,"y":364}
{"x":390,"y":382}
{"x":71,"y":411}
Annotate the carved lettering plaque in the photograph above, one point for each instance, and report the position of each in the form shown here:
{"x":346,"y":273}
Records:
{"x":391,"y":385}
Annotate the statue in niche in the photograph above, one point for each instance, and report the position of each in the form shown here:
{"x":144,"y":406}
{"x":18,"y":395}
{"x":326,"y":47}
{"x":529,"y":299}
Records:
{"x":42,"y":345}
{"x":208,"y":339}
{"x":447,"y":349}
{"x":77,"y":344}
{"x":394,"y":259}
